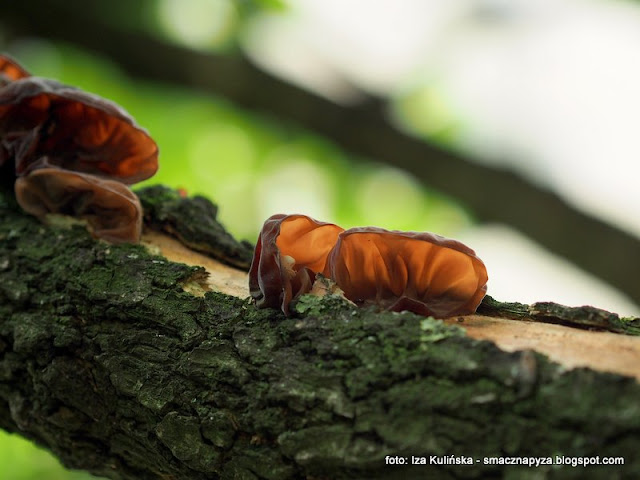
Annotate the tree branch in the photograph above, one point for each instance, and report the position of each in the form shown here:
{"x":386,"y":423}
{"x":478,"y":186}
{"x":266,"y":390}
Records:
{"x":491,"y":194}
{"x":109,"y":359}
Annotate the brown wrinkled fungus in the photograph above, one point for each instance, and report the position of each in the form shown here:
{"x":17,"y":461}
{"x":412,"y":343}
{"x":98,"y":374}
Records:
{"x":73,"y":153}
{"x":45,"y":123}
{"x":290,"y":250}
{"x":10,"y":70}
{"x":111,"y":209}
{"x":420,"y":272}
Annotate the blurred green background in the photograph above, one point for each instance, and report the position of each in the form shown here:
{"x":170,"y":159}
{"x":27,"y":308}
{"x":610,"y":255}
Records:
{"x":248,"y":164}
{"x":22,"y":460}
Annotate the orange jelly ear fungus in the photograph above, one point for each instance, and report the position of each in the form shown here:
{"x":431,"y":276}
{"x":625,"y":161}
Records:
{"x":45,"y":123}
{"x":112,"y":210}
{"x":420,"y":272}
{"x":291,"y":249}
{"x":10,"y":70}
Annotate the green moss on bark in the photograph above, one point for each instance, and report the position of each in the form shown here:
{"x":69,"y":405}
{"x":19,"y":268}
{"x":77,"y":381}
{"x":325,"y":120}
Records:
{"x":108,"y":362}
{"x":193,"y":221}
{"x":585,"y":317}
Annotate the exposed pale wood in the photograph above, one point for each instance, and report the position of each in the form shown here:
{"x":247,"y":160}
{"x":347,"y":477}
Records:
{"x":222,"y":278}
{"x":571,"y":347}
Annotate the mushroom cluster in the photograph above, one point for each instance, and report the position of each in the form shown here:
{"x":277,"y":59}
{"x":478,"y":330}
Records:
{"x":74,"y":153}
{"x":416,"y":271}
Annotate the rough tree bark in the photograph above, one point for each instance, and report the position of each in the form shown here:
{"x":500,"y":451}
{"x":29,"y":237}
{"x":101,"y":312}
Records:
{"x":123,"y":364}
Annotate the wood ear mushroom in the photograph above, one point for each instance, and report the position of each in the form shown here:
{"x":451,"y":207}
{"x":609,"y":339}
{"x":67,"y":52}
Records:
{"x":420,"y":272}
{"x":112,"y":210}
{"x":290,"y":250}
{"x":42,"y":120}
{"x":10,"y":70}
{"x":73,"y":153}
{"x":416,"y":271}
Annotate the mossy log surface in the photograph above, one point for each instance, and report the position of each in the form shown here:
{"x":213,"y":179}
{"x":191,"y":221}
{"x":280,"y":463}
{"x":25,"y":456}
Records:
{"x":108,"y":361}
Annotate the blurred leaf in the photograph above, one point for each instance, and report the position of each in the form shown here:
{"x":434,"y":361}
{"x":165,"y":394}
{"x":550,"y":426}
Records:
{"x":199,"y":24}
{"x":22,"y":460}
{"x":252,"y":6}
{"x":428,"y":111}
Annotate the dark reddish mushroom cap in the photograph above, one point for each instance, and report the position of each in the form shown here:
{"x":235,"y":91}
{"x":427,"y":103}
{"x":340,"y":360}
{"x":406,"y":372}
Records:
{"x":44,"y":123}
{"x":291,"y":249}
{"x":10,"y":70}
{"x":420,"y":272}
{"x":112,"y":210}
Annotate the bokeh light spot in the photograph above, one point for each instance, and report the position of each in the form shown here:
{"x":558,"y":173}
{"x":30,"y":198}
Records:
{"x":197,"y":23}
{"x":390,"y":198}
{"x":296,"y":186}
